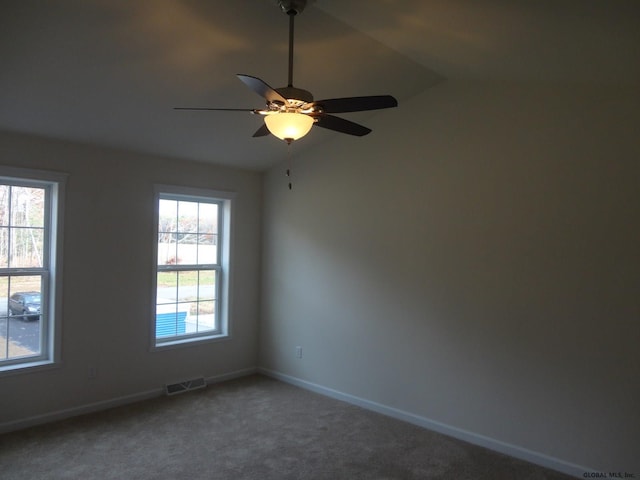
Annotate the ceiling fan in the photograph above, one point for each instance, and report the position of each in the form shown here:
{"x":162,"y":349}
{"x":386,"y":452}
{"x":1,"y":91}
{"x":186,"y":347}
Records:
{"x":291,"y":112}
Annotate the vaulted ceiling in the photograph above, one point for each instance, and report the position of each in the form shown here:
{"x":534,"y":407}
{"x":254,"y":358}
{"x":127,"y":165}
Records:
{"x":109,"y":72}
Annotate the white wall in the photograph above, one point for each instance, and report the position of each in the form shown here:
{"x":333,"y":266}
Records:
{"x":474,"y":261}
{"x":108,"y":269}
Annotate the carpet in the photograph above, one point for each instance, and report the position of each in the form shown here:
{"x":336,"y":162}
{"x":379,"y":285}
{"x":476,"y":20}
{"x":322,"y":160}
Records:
{"x":249,"y":428}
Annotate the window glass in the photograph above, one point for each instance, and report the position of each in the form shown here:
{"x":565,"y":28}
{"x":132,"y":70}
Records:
{"x":28,"y":224}
{"x":189,"y":267}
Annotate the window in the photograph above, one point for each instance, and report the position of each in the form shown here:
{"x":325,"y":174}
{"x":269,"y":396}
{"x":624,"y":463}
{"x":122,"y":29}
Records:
{"x":30,"y":233}
{"x":192,"y":265}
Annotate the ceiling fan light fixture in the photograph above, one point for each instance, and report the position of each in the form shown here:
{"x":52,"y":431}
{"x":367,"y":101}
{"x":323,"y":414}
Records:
{"x":289,"y":126}
{"x":292,"y":111}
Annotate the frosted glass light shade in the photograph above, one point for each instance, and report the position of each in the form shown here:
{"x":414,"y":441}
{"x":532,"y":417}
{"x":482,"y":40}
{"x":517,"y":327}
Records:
{"x":288,"y":126}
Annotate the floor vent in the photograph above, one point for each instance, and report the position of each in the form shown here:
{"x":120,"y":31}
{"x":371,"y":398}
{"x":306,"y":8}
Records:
{"x":186,"y":386}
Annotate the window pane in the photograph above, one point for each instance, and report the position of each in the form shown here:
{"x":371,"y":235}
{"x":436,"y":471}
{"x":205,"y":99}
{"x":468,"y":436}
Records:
{"x":206,"y":316}
{"x":4,"y":340}
{"x":187,"y":285}
{"x":167,"y":216}
{"x":207,"y":286}
{"x":4,"y":205}
{"x":20,"y":316}
{"x":208,"y":219}
{"x":187,"y":251}
{"x":4,"y":320}
{"x":4,"y":293}
{"x":191,"y":319}
{"x":167,"y":248}
{"x":166,"y":287}
{"x":23,"y":339}
{"x":169,"y":321}
{"x":26,"y":246}
{"x":187,"y":233}
{"x":27,"y":207}
{"x":207,"y":249}
{"x":4,"y":246}
{"x":24,"y":295}
{"x":187,"y":217}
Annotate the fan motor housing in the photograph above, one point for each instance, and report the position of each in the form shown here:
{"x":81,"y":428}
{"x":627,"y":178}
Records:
{"x":294,"y":93}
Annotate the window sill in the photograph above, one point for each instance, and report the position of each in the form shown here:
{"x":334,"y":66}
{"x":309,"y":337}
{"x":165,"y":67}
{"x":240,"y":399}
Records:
{"x":27,"y":367}
{"x":189,"y":342}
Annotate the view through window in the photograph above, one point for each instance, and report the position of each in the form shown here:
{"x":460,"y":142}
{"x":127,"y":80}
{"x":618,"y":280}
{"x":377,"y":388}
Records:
{"x":25,"y":271}
{"x":189,"y":267}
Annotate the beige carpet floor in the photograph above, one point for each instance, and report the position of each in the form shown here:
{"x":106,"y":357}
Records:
{"x":250,"y":428}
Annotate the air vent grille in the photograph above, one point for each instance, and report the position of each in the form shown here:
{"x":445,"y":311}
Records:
{"x":185,"y":386}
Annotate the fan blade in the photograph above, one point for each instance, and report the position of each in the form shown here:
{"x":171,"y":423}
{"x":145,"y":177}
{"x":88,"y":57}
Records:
{"x":356,"y":104}
{"x":340,"y":125}
{"x":262,"y":131}
{"x":252,"y":110}
{"x":262,"y":89}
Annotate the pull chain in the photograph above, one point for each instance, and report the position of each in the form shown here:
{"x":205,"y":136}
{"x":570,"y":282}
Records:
{"x":289,"y":163}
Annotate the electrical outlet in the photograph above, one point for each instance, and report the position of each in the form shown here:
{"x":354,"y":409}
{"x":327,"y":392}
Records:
{"x":299,"y":352}
{"x":92,"y":372}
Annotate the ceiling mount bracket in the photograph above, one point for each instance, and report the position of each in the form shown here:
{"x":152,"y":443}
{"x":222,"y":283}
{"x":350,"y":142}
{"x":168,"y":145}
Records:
{"x":292,"y":7}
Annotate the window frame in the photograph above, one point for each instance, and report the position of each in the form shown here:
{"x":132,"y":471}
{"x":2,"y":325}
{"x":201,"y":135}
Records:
{"x":51,"y":292}
{"x":223,"y":267}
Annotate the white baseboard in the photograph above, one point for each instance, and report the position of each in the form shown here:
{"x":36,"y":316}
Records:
{"x":470,"y":437}
{"x":231,"y":375}
{"x":110,"y":403}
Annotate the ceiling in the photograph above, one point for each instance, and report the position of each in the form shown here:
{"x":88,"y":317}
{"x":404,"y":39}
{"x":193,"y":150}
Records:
{"x":109,"y":72}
